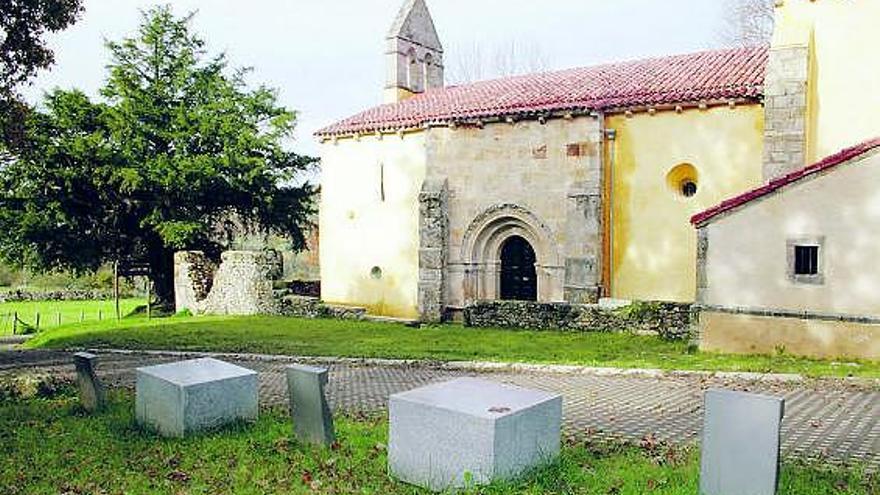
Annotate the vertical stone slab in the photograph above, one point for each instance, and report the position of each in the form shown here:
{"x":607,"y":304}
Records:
{"x":312,"y":419}
{"x":433,"y":241}
{"x":786,"y":100}
{"x":740,"y":449}
{"x":91,"y":391}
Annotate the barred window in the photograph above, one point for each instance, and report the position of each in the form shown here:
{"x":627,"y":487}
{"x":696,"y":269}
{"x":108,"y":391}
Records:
{"x":806,"y":260}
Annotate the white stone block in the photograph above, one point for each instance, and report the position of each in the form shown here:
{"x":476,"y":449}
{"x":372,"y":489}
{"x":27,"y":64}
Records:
{"x":470,"y":431}
{"x":740,"y":449}
{"x":179,"y":398}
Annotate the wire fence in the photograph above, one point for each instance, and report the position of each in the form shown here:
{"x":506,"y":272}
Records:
{"x":30,"y":318}
{"x":16,"y":323}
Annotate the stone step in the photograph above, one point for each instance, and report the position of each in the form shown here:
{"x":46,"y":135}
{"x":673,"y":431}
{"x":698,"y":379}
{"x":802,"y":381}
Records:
{"x":390,"y":319}
{"x":612,"y":304}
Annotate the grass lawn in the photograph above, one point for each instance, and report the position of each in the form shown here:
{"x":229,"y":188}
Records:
{"x":69,"y":312}
{"x":49,"y":445}
{"x":278,"y":335}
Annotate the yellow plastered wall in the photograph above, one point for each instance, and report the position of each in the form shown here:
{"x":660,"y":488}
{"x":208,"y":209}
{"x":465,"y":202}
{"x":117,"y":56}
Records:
{"x":845,"y":68}
{"x":653,"y":243}
{"x":360,"y":231}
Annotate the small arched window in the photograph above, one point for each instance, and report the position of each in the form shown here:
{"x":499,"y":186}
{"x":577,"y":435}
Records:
{"x":410,"y":68}
{"x":415,"y":72}
{"x":429,"y":66}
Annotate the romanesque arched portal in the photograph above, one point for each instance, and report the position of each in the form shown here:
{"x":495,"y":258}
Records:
{"x":513,"y":227}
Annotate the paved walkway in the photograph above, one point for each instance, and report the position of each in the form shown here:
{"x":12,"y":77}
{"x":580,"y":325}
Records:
{"x":831,"y":419}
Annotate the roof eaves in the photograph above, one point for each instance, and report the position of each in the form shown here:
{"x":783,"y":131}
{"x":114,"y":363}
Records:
{"x":848,"y":155}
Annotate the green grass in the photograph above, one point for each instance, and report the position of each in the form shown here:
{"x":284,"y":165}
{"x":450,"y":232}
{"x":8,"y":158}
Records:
{"x":69,"y":312}
{"x":277,"y":335}
{"x":50,"y":446}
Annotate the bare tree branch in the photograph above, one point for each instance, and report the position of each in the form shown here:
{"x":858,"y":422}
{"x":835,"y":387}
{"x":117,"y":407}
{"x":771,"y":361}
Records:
{"x":747,"y":22}
{"x":472,"y":63}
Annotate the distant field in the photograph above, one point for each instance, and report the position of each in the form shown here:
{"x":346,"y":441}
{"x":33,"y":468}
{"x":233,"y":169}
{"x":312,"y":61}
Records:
{"x":67,"y":311}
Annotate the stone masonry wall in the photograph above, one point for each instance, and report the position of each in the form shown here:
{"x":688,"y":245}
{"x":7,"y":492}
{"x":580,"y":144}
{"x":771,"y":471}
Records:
{"x":241,"y":285}
{"x":672,"y":321}
{"x":786,"y":98}
{"x":312,"y":307}
{"x":193,"y":278}
{"x":21,"y":295}
{"x":540,"y":179}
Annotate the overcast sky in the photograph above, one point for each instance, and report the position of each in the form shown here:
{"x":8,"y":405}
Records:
{"x":325,"y":56}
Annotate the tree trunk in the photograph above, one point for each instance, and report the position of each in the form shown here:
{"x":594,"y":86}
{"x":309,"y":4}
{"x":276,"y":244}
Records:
{"x":162,"y":268}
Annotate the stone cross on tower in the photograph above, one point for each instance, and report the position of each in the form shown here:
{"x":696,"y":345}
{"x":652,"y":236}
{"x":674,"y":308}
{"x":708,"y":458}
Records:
{"x":414,"y":53}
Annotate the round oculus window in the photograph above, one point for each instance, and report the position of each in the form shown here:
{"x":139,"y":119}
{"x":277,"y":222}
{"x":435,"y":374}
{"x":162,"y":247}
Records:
{"x":683,"y":180}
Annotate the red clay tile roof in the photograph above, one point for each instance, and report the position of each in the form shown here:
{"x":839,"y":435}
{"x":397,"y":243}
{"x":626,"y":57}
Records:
{"x":786,"y":180}
{"x":705,"y":76}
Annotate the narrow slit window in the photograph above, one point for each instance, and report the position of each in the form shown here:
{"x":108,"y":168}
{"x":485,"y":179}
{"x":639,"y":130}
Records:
{"x":382,"y":182}
{"x":806,"y":260}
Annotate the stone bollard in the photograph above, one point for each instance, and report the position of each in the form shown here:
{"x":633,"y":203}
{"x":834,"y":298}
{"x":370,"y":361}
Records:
{"x":740,"y":449}
{"x":312,"y":420}
{"x":91,"y":392}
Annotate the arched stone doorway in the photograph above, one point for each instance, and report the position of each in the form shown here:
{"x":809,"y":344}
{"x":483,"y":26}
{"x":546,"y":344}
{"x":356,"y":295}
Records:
{"x":519,"y":278}
{"x":531,"y":246}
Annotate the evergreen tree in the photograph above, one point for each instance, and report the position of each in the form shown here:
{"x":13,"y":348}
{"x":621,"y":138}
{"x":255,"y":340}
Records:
{"x":177,"y":148}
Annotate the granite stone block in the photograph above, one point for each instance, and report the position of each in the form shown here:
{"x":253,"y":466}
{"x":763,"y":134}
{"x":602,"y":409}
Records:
{"x":179,"y":398}
{"x":740,"y":448}
{"x":470,"y":431}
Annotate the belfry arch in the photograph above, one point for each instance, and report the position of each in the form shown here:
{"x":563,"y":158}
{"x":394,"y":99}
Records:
{"x":486,"y":238}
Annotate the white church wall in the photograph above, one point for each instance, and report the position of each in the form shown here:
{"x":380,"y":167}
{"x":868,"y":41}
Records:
{"x":747,"y":261}
{"x":369,"y":222}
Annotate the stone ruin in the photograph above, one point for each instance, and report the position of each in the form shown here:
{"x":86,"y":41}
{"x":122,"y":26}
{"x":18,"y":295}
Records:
{"x":244,"y":284}
{"x":241,"y":285}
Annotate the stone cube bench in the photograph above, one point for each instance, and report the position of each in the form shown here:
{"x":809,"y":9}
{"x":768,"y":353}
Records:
{"x":471,"y":432}
{"x":179,"y":398}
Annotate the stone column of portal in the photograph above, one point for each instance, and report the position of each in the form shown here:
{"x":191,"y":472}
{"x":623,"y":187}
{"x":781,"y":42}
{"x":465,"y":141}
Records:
{"x":583,"y":226}
{"x":433,"y":241}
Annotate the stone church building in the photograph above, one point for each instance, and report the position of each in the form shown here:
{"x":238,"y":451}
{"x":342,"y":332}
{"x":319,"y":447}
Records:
{"x":580,"y":184}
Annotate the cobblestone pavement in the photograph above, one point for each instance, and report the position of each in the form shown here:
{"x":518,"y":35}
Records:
{"x":830,"y":419}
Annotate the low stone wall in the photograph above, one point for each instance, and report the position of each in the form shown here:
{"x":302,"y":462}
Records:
{"x":312,"y":307}
{"x":55,"y":295}
{"x":308,"y":288}
{"x":669,"y":320}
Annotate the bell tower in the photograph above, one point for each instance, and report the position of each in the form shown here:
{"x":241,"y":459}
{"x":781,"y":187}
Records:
{"x":414,"y":54}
